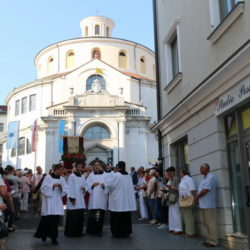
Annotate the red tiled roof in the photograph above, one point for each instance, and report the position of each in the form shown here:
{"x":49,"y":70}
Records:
{"x":137,"y":76}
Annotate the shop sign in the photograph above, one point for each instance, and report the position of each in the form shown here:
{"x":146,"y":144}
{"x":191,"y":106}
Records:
{"x":233,"y":97}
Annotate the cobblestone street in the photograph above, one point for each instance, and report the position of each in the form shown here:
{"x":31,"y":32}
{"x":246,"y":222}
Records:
{"x":144,"y":237}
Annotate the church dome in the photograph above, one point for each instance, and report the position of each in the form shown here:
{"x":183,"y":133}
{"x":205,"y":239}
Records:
{"x":97,"y":26}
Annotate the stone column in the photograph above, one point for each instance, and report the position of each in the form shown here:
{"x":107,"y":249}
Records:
{"x":122,"y":151}
{"x":71,"y":126}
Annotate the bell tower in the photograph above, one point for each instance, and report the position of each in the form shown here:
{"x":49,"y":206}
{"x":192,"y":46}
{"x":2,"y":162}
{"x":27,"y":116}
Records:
{"x":97,"y":26}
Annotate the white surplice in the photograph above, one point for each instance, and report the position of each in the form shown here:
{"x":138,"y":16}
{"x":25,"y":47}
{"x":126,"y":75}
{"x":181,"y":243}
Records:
{"x":75,"y":191}
{"x":98,"y":197}
{"x":52,"y":197}
{"x":121,"y":193}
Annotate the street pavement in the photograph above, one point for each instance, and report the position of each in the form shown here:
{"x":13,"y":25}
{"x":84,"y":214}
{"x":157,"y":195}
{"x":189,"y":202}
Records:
{"x":144,"y":237}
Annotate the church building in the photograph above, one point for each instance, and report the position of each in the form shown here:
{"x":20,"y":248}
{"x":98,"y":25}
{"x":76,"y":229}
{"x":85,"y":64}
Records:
{"x":102,"y":87}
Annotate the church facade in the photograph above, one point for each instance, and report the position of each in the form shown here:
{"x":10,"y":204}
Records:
{"x":103,"y":88}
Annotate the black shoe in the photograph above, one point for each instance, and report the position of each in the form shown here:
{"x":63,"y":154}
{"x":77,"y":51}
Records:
{"x":55,"y":242}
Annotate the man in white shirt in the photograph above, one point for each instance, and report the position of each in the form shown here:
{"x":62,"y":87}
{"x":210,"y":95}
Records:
{"x":98,"y":200}
{"x":75,"y":203}
{"x":53,"y":189}
{"x":121,"y":201}
{"x":206,"y":198}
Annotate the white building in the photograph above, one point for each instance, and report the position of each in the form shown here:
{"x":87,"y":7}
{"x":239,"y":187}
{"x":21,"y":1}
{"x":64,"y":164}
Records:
{"x":204,"y":96}
{"x":3,"y":127}
{"x":105,"y":90}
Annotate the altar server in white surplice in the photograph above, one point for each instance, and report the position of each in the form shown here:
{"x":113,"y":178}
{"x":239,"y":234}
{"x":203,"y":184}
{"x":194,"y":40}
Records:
{"x":53,"y":189}
{"x":75,"y":203}
{"x":98,"y":200}
{"x":121,"y":201}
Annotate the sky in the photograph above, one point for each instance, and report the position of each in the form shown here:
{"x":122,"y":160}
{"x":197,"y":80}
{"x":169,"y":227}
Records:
{"x":28,"y":26}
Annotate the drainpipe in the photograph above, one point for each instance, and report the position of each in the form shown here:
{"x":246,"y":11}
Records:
{"x":158,"y":86}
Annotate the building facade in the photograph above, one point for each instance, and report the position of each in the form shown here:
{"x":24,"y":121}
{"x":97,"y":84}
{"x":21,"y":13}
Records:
{"x":103,"y":88}
{"x":203,"y":52}
{"x":3,"y":127}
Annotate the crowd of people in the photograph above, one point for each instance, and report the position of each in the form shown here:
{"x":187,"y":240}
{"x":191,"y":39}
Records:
{"x":166,"y":200}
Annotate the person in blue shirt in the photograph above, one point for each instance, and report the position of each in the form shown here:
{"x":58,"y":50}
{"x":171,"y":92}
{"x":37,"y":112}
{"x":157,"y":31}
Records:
{"x":206,"y":197}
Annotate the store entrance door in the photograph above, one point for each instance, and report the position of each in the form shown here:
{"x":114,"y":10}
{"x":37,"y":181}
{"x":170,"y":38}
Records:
{"x":246,"y":181}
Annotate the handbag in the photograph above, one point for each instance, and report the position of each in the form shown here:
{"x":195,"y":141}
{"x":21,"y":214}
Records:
{"x":172,"y":198}
{"x":186,"y":201}
{"x":3,"y":230}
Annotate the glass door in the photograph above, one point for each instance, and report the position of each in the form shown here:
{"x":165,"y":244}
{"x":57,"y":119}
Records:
{"x":238,"y":207}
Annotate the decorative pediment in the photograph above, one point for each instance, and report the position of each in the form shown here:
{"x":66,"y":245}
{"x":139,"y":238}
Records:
{"x":93,"y":99}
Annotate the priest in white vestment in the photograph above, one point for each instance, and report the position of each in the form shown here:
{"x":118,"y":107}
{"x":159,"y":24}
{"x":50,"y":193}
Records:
{"x":53,"y":189}
{"x":98,"y":200}
{"x":121,"y":201}
{"x":75,"y":203}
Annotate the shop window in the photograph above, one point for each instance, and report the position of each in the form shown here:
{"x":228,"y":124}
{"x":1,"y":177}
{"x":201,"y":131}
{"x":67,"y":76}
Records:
{"x":97,"y":132}
{"x":246,"y":118}
{"x":231,"y":127}
{"x":70,"y":60}
{"x":1,"y":127}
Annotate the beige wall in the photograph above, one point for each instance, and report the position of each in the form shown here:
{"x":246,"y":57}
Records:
{"x":198,"y":56}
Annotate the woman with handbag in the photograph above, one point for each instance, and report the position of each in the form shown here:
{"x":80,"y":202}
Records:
{"x":174,"y":214}
{"x":186,"y":201}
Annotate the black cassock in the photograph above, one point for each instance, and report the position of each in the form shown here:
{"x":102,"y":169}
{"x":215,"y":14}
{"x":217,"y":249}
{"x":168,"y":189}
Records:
{"x":74,"y":223}
{"x":48,"y":227}
{"x":120,"y":223}
{"x":95,"y":221}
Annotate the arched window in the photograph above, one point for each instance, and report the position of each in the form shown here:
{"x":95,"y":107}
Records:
{"x":92,"y":79}
{"x":122,"y":61}
{"x":50,"y":65}
{"x":21,"y":146}
{"x":97,"y":29}
{"x":86,"y":31}
{"x":143,"y":65}
{"x":107,"y":31}
{"x":96,"y":54}
{"x":97,"y":132}
{"x":70,"y":60}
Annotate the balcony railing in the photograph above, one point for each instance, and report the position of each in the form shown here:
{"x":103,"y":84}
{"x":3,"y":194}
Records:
{"x":133,"y":112}
{"x":59,"y":112}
